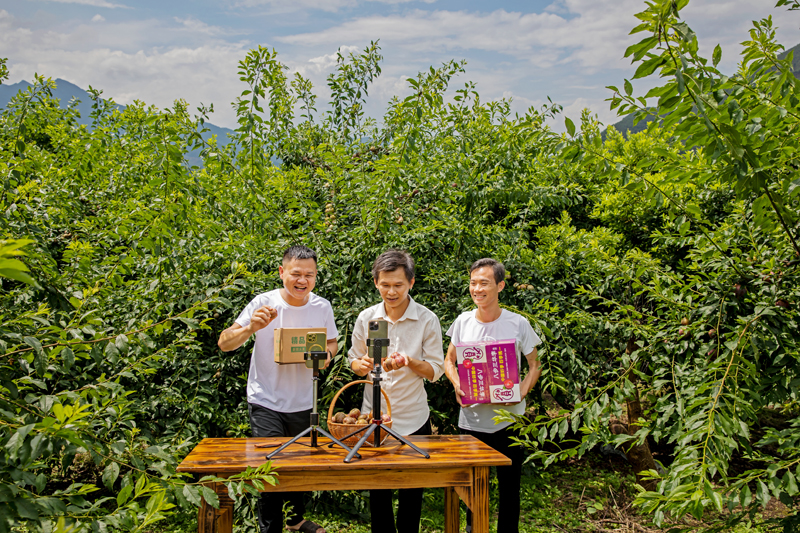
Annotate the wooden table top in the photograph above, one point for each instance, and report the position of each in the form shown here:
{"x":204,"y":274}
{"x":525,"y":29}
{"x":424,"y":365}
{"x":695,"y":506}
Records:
{"x":231,"y":456}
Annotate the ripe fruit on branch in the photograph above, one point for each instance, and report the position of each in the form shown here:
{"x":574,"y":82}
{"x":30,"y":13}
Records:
{"x":739,"y":291}
{"x":684,"y":321}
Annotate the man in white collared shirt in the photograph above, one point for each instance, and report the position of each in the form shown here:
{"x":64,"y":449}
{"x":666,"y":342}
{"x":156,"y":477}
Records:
{"x":414,"y":334}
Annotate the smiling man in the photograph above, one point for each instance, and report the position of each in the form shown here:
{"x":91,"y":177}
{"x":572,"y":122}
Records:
{"x":280,"y":397}
{"x":489,"y":322}
{"x":416,"y":354}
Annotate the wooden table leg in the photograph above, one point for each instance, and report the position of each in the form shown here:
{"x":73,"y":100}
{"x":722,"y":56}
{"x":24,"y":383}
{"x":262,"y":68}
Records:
{"x":210,"y":520}
{"x":480,"y":499}
{"x":452,"y":511}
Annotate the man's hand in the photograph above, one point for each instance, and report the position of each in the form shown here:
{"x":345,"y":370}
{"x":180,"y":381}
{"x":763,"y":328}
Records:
{"x":459,"y":394}
{"x":362,"y":366}
{"x":236,"y":335}
{"x":395,"y":361}
{"x":327,"y":361}
{"x":451,"y":371}
{"x":262,"y":317}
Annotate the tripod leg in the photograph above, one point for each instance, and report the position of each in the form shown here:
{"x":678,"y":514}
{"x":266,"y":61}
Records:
{"x":402,"y":439}
{"x":358,"y":445}
{"x":337,"y":441}
{"x":285,"y":444}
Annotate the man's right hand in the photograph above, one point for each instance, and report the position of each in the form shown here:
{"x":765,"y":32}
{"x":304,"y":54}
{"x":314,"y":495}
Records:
{"x":262,"y":317}
{"x":236,"y":335}
{"x":459,"y":394}
{"x":362,"y":366}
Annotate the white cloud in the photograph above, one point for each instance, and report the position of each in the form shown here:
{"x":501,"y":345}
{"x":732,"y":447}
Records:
{"x":203,"y":72}
{"x":197,"y":26}
{"x":330,"y":6}
{"x":95,"y":3}
{"x":98,"y":18}
{"x":325,"y":63}
{"x":289,"y":6}
{"x":594,"y":38}
{"x":569,"y":52}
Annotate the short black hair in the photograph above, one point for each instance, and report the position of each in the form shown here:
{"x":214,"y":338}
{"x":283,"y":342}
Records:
{"x":299,"y":252}
{"x":497,"y":267}
{"x":391,"y":260}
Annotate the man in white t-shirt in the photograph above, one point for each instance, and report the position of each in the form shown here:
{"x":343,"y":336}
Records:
{"x":490,"y":322}
{"x":280,"y":397}
{"x":415,"y":354}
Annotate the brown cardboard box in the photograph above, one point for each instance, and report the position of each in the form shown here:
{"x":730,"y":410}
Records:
{"x":290,"y":344}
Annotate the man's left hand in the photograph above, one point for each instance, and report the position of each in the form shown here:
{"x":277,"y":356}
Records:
{"x":327,"y":361}
{"x":395,"y":361}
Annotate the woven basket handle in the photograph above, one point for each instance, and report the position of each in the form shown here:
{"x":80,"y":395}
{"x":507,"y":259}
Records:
{"x":366,"y":382}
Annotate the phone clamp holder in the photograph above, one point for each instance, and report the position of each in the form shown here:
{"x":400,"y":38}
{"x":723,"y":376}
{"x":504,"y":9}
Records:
{"x":375,"y":427}
{"x":313,"y":428}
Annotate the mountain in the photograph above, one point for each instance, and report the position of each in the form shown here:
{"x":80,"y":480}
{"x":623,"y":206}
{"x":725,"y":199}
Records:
{"x":625,"y":126}
{"x":66,"y":91}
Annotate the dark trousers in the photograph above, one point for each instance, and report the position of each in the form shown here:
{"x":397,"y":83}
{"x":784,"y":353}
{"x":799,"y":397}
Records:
{"x":509,"y":478}
{"x":409,"y":504}
{"x":268,"y":423}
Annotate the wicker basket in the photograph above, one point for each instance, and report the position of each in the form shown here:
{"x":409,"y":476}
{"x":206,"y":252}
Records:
{"x":341,"y":430}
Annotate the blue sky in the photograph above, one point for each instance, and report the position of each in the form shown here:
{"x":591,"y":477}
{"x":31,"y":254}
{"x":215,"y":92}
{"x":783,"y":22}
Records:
{"x":158,"y":51}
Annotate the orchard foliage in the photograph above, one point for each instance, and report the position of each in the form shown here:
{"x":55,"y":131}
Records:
{"x":660,"y":270}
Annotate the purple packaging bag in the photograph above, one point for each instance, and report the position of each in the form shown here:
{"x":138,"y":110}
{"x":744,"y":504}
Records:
{"x":488,"y":372}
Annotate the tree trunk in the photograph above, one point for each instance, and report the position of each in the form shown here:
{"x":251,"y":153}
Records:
{"x":638,"y":454}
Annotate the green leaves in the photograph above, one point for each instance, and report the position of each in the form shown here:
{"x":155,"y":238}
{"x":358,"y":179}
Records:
{"x":209,"y":496}
{"x":10,"y":266}
{"x":110,"y":475}
{"x":570,"y":126}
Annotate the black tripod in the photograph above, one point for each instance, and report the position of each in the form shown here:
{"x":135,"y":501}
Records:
{"x":313,"y":428}
{"x":377,"y":423}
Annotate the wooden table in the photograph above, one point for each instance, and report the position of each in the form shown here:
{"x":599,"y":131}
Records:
{"x":459,"y":463}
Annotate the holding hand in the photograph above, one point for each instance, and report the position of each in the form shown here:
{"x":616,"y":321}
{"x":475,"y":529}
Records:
{"x":262,"y":317}
{"x":362,"y":366}
{"x":459,"y":393}
{"x":395,"y":361}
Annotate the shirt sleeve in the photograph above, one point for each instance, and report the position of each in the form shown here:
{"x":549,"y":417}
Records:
{"x":453,"y":332}
{"x":244,"y":317}
{"x":528,"y":339}
{"x":432,"y":352}
{"x":358,"y":347}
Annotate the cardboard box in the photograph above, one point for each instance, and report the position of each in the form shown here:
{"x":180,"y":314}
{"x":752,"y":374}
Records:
{"x":488,"y":372}
{"x":290,"y":344}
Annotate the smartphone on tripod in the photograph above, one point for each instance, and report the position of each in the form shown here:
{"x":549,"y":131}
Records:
{"x":315,"y":342}
{"x":379,"y":329}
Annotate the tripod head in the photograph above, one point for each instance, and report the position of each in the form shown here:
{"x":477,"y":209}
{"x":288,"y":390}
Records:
{"x":312,"y":360}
